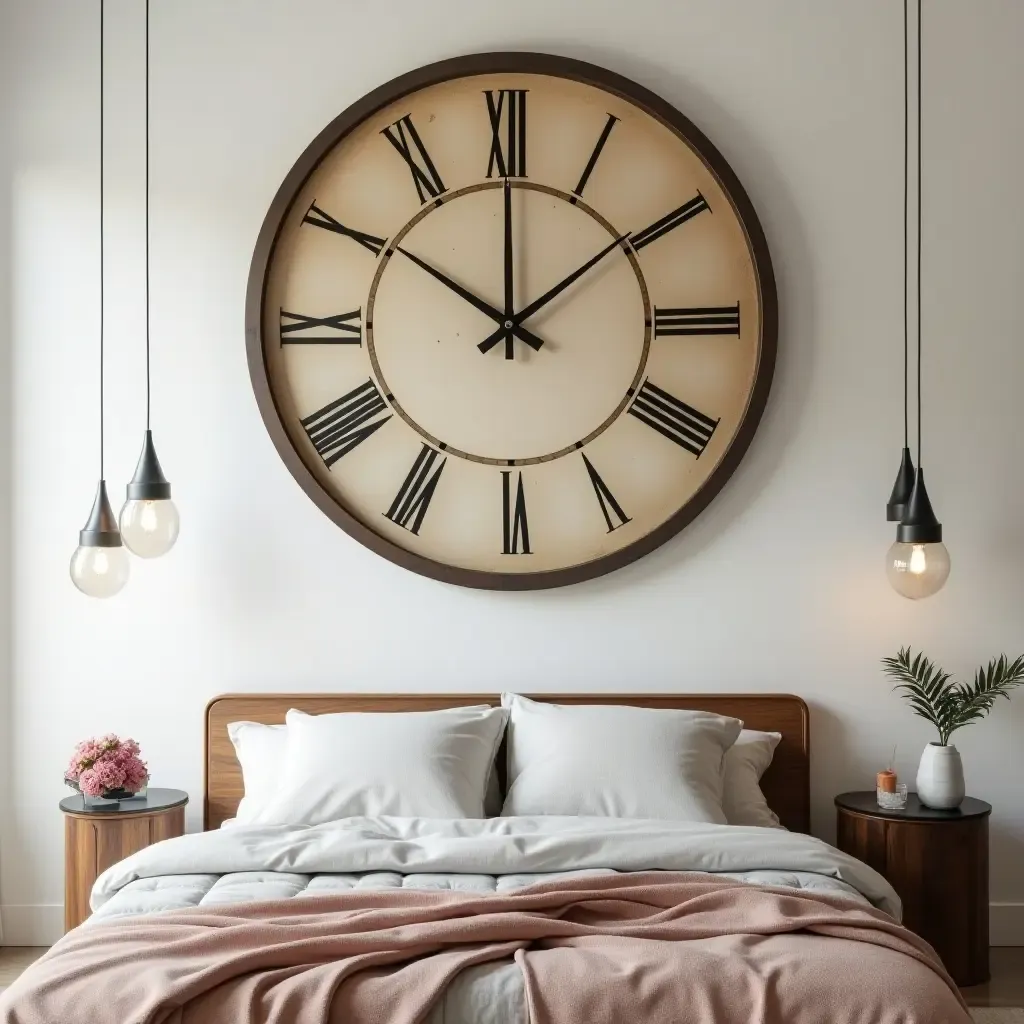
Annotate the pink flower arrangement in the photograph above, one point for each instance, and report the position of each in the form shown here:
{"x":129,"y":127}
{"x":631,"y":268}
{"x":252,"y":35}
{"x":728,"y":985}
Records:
{"x":108,"y":763}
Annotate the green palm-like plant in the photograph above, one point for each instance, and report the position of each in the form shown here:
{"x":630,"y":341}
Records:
{"x":946,"y":704}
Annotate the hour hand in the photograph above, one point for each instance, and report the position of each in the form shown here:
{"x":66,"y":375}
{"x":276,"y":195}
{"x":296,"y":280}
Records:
{"x":493,"y":312}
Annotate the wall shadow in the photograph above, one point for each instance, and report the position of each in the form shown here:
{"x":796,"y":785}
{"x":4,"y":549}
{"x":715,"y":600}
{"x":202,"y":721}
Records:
{"x":6,"y":442}
{"x":835,"y":768}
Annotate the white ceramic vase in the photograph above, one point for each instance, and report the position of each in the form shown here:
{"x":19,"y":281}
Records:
{"x":940,"y":777}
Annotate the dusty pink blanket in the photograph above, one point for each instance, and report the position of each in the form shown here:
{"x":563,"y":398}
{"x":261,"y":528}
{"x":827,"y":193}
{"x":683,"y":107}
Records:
{"x":659,"y":948}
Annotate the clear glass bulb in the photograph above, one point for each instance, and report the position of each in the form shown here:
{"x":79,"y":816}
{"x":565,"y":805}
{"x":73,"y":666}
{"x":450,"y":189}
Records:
{"x":917,"y":570}
{"x":100,"y":572}
{"x":149,"y":528}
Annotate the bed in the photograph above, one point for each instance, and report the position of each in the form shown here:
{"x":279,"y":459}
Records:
{"x":550,"y":916}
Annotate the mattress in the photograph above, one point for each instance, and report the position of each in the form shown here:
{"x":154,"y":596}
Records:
{"x":243,"y":864}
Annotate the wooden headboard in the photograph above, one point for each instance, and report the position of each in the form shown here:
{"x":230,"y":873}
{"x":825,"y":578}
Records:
{"x":786,"y":784}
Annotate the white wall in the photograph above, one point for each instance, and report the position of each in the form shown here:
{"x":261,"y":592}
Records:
{"x":5,"y":408}
{"x":778,"y":586}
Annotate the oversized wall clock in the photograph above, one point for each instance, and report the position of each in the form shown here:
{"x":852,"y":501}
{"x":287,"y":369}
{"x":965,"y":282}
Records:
{"x":511,"y":321}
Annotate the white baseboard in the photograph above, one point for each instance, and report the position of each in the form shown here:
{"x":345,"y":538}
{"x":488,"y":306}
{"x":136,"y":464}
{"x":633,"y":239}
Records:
{"x":32,"y":924}
{"x":43,"y":924}
{"x":1006,"y":924}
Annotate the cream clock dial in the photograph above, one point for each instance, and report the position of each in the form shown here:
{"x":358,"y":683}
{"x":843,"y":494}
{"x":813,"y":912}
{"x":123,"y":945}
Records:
{"x":511,"y":321}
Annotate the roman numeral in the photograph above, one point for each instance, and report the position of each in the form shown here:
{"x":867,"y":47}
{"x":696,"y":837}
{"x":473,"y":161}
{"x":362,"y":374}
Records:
{"x":673,"y":419}
{"x":509,"y":160}
{"x":345,"y":423}
{"x":610,"y":508}
{"x":698,"y":320}
{"x":318,"y":218}
{"x":515,"y":531}
{"x":404,"y":137}
{"x":588,"y":170}
{"x":671,"y":220}
{"x":346,"y":328}
{"x":413,"y":498}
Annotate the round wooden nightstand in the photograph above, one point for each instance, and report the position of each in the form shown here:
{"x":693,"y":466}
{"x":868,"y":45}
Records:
{"x":937,"y":861}
{"x":99,"y":835}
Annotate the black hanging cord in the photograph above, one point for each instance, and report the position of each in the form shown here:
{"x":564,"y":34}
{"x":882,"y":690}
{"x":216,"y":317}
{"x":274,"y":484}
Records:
{"x":906,"y":221}
{"x":920,"y":55}
{"x":147,"y":215}
{"x":101,"y":237}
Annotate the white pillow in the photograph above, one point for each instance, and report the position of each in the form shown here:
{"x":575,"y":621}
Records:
{"x":616,"y":761}
{"x":428,"y":764}
{"x":260,"y":751}
{"x":745,"y":762}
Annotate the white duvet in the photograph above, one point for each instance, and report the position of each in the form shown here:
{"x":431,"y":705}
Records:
{"x":261,"y":862}
{"x":491,"y":852}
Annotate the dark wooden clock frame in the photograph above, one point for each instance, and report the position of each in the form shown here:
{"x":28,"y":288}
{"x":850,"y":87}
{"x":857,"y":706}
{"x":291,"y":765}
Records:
{"x":507,"y":63}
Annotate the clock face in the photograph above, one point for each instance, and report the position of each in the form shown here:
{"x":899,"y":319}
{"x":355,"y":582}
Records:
{"x":511,"y":321}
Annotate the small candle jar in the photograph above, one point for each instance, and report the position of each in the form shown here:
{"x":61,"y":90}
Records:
{"x":885,"y":782}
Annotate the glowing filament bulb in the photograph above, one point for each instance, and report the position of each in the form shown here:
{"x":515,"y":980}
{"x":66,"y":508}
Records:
{"x":150,"y":521}
{"x":918,"y":560}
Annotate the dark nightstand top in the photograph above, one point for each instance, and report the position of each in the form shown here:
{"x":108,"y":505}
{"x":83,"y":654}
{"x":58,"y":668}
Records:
{"x":866,"y":802}
{"x":155,"y":800}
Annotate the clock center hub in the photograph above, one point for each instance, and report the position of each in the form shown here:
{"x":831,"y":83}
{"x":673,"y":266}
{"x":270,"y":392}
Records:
{"x":531,"y":395}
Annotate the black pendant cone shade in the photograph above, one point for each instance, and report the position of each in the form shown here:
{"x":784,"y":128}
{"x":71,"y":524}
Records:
{"x":901,"y":489}
{"x":919,"y":525}
{"x":101,"y":530}
{"x":149,"y":482}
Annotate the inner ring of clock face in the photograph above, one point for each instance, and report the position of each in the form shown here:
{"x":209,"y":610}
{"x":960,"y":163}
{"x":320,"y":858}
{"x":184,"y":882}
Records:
{"x":423,"y":339}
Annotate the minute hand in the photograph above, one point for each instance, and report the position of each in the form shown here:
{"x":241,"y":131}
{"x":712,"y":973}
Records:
{"x":527,"y":311}
{"x":493,"y":312}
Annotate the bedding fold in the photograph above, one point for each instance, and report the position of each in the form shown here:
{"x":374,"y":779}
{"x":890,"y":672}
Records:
{"x":519,"y":846}
{"x":656,"y":947}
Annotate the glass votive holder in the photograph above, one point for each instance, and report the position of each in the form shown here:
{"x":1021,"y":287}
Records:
{"x":894,"y":801}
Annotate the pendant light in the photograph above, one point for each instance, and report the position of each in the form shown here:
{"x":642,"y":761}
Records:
{"x":905,"y":476}
{"x":149,"y":519}
{"x":99,"y":566}
{"x":918,"y":562}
